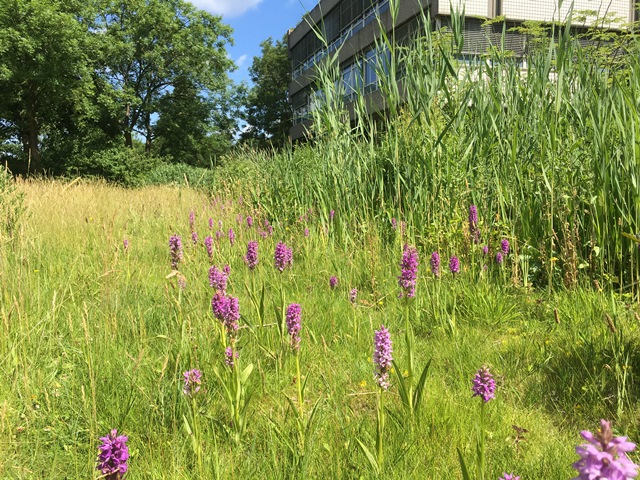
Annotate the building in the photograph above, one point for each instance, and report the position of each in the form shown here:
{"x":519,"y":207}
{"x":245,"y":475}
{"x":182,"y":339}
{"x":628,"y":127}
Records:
{"x":352,"y":27}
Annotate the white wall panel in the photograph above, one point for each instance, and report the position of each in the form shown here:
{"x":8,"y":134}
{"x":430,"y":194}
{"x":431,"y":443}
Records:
{"x":547,"y":10}
{"x":474,"y":8}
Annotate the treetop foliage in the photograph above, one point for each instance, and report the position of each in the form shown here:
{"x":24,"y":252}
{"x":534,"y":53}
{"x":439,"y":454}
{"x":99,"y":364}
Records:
{"x":81,"y":77}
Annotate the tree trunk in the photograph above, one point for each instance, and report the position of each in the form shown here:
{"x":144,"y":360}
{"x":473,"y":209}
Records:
{"x":147,"y":125}
{"x":35,"y":165}
{"x":128,"y":140}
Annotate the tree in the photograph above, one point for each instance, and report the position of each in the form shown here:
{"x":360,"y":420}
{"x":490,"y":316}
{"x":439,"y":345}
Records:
{"x":268,"y":107}
{"x":158,"y":52}
{"x":194,"y":128}
{"x":45,"y":74}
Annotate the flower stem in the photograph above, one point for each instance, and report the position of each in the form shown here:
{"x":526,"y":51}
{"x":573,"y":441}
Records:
{"x":481,"y":438}
{"x":379,"y":449}
{"x":409,"y":342}
{"x":299,"y":385}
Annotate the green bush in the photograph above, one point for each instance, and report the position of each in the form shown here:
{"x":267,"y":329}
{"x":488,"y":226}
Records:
{"x":120,"y":165}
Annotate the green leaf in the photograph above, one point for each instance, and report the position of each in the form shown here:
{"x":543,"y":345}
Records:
{"x":463,"y":466}
{"x":402,"y":389}
{"x":261,"y":309}
{"x":187,"y":426}
{"x":372,"y":460}
{"x":417,"y":395}
{"x":245,"y":373}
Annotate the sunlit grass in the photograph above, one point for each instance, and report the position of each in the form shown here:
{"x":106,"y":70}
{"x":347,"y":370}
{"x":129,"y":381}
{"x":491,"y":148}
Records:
{"x":95,"y":338}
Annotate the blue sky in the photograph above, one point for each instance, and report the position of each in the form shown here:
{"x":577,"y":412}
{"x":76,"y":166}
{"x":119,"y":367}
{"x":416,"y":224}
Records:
{"x":254,"y":21}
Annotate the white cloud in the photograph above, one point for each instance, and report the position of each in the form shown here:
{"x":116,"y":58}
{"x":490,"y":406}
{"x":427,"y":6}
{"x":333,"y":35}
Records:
{"x":240,"y":61}
{"x":227,"y":8}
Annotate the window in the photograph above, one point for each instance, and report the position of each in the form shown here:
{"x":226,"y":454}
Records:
{"x":332,"y":25}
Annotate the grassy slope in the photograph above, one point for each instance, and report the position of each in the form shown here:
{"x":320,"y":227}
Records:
{"x":94,"y":338}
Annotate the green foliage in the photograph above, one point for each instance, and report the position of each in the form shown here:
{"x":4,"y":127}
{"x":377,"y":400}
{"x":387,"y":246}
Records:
{"x":548,"y":153}
{"x":267,"y":106}
{"x":77,"y":78}
{"x":45,"y":74}
{"x":192,"y":128}
{"x":151,"y":47}
{"x":125,"y":166}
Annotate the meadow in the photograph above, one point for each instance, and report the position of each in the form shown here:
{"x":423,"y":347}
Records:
{"x":104,"y":309}
{"x":97,"y":335}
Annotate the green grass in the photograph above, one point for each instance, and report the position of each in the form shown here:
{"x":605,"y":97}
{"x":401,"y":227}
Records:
{"x":95,"y":338}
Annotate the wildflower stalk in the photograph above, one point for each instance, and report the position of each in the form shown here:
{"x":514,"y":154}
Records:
{"x":192,"y":379}
{"x":234,"y":380}
{"x":409,"y":344}
{"x":382,"y":361}
{"x":380,"y":432}
{"x":197,"y":439}
{"x":484,"y":386}
{"x":299,"y":385}
{"x":480,"y":465}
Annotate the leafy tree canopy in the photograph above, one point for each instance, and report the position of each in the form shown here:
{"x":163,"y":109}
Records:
{"x":267,"y":106}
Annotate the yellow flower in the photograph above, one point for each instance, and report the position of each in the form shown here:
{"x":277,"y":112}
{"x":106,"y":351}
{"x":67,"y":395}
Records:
{"x":363,"y":383}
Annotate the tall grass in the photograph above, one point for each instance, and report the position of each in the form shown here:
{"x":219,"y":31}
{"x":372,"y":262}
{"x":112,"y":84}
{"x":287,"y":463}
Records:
{"x":96,"y":336}
{"x":547,"y":146}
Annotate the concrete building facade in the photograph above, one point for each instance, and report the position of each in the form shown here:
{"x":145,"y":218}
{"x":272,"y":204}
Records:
{"x":352,"y":26}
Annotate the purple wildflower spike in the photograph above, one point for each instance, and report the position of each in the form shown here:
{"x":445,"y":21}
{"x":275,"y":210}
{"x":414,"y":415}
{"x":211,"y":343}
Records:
{"x":435,"y":264}
{"x":484,"y":385}
{"x":283,"y":256}
{"x":605,"y":456}
{"x":251,"y":258}
{"x":473,"y":223}
{"x":227,"y":310}
{"x":382,"y":356}
{"x":218,"y":279}
{"x":353,"y":296}
{"x":504,"y":246}
{"x":208,"y":244}
{"x":454,"y":265}
{"x":113,"y":456}
{"x":409,"y":274}
{"x":294,"y":315}
{"x":175,"y":250}
{"x":192,"y":382}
